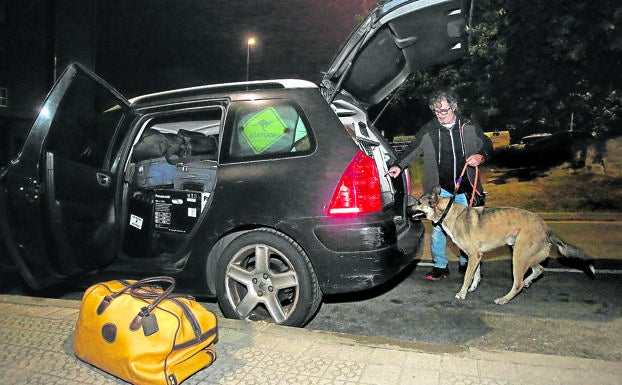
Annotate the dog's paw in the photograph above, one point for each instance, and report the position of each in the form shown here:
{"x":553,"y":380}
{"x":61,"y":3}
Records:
{"x":501,"y":301}
{"x":460,"y":295}
{"x":474,"y":285}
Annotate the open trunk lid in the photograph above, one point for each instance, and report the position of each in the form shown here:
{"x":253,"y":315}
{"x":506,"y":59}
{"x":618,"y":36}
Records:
{"x":395,"y":40}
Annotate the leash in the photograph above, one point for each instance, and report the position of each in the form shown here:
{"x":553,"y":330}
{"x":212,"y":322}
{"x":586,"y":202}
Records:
{"x":442,"y":218}
{"x":473,"y":185}
{"x":453,"y":196}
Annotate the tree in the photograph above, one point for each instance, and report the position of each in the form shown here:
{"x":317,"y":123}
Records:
{"x":557,"y":54}
{"x":534,"y":65}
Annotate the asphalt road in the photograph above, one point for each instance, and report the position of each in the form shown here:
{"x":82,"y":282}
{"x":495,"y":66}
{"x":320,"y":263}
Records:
{"x":563,"y":313}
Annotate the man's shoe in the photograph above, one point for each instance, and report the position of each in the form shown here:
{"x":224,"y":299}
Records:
{"x":462,"y":268}
{"x":437,"y":273}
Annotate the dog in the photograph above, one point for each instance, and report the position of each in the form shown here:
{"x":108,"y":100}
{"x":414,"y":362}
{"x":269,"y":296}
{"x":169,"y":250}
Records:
{"x":476,"y":230}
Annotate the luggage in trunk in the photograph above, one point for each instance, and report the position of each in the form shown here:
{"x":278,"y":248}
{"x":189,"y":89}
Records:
{"x":154,"y":172}
{"x":196,"y":176}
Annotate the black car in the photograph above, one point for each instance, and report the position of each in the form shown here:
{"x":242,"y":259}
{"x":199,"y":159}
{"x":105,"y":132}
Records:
{"x":267,"y":195}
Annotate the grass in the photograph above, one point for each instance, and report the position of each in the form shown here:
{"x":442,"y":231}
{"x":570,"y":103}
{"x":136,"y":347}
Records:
{"x":556,"y":189}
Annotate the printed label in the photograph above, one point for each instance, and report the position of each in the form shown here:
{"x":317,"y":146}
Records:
{"x":136,"y":221}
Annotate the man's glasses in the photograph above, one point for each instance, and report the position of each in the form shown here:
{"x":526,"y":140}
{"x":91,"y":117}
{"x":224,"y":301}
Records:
{"x":442,"y":111}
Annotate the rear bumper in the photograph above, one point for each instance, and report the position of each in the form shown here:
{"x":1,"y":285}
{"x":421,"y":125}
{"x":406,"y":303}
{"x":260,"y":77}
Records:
{"x":361,"y":256}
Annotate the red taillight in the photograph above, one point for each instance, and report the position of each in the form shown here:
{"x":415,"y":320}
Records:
{"x":358,"y":191}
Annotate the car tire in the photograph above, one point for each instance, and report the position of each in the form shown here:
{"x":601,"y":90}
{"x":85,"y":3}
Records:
{"x":264,"y":275}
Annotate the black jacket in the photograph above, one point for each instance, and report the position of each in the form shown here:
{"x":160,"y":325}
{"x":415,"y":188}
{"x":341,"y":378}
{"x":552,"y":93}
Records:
{"x":468,"y":139}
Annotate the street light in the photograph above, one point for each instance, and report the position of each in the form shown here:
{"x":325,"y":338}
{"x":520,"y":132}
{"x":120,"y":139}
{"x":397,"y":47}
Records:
{"x":249,"y":42}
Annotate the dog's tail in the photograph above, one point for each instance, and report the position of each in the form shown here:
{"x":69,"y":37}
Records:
{"x":573,"y":253}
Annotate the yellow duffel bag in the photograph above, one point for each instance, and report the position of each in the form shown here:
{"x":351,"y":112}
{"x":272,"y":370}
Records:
{"x":143,"y":334}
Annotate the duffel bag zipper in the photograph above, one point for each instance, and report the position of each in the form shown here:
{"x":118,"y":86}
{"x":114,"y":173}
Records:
{"x":196,"y":327}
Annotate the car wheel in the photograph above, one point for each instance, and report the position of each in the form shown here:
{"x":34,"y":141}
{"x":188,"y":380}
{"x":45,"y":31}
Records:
{"x":263,"y":275}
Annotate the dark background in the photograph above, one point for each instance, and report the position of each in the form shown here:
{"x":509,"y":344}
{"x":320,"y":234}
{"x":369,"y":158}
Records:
{"x":533,"y":67}
{"x":143,"y":46}
{"x":155,"y":45}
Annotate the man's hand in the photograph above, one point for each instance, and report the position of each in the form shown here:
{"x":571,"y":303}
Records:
{"x":474,"y":160}
{"x":394,"y":172}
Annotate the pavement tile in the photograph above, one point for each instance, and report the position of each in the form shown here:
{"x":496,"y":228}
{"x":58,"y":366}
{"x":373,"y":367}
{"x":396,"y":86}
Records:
{"x":539,"y":375}
{"x":420,"y":377}
{"x":326,"y":381}
{"x":250,"y":356}
{"x":460,"y":365}
{"x":388,"y":357}
{"x":344,"y":371}
{"x":355,"y":353}
{"x":268,"y":376}
{"x":293,"y":347}
{"x":461,"y":379}
{"x":379,"y":374}
{"x":328,"y":350}
{"x":498,"y":369}
{"x":37,"y":349}
{"x":426,"y":361}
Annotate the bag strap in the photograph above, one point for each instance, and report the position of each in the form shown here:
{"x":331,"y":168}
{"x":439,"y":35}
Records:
{"x":145,"y":319}
{"x":156,"y":298}
{"x":133,"y":289}
{"x":138,"y":290}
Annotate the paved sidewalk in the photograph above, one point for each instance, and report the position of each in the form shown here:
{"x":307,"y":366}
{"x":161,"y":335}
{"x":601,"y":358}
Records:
{"x":36,"y":338}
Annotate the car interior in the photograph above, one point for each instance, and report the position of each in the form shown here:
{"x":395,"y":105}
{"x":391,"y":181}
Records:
{"x":172,"y":174}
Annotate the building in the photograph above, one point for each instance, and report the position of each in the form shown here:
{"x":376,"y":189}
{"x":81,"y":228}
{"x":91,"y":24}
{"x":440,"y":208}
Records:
{"x":36,"y":38}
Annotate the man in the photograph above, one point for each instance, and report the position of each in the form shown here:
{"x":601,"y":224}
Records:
{"x":447,"y":143}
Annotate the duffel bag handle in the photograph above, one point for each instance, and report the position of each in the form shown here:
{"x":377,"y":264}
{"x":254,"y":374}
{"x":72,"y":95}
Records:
{"x":133,"y":291}
{"x":150,"y":295}
{"x":144,"y":318}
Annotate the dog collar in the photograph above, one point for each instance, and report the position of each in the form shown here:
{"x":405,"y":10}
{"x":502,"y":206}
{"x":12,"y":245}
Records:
{"x":451,"y":202}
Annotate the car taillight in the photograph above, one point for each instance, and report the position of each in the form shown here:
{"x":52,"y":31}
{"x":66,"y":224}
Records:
{"x":358,"y":191}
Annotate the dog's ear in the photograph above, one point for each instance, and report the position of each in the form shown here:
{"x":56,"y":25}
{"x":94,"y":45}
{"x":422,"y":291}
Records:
{"x":433,"y":200}
{"x":434,"y":196}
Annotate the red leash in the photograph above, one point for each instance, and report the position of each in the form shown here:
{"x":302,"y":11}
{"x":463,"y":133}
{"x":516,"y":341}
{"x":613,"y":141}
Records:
{"x":473,"y":185}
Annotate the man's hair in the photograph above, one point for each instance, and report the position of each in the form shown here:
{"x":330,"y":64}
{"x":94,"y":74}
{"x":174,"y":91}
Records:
{"x":438,"y":96}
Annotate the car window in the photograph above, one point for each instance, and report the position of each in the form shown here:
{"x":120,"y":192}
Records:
{"x":180,"y":136}
{"x":84,"y":124}
{"x":268,"y":128}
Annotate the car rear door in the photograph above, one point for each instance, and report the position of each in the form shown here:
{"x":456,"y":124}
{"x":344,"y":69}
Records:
{"x":395,"y":40}
{"x":59,"y":201}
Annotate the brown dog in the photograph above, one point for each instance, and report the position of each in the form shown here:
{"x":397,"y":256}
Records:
{"x":476,"y":230}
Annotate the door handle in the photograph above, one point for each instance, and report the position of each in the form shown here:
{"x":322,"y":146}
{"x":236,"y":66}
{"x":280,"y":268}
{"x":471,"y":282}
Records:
{"x":103,"y":179}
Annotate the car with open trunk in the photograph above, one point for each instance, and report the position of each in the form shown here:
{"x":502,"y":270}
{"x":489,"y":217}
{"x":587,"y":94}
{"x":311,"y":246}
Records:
{"x":267,"y":195}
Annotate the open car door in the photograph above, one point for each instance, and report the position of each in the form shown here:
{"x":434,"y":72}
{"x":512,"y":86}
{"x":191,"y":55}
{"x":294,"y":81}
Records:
{"x":395,"y":40}
{"x":58,"y":197}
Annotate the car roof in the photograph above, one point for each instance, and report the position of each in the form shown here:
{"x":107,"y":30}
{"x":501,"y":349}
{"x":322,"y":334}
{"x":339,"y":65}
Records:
{"x":222,"y":89}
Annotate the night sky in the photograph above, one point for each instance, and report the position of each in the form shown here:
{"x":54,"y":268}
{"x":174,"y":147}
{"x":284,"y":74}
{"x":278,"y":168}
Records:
{"x":151,"y":45}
